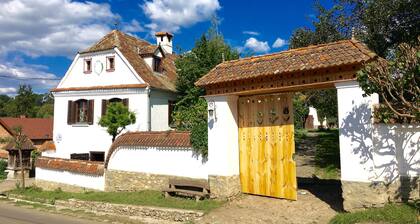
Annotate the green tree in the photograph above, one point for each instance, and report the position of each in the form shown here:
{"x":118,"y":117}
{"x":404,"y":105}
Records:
{"x":397,"y":81}
{"x":191,"y":109}
{"x":117,"y":117}
{"x":25,"y":101}
{"x":383,"y":24}
{"x":4,"y":100}
{"x":300,"y":110}
{"x":328,"y":27}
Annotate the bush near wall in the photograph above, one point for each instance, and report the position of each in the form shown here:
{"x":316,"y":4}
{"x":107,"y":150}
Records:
{"x":3,"y":166}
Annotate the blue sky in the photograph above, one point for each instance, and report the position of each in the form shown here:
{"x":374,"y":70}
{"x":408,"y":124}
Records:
{"x":44,"y":35}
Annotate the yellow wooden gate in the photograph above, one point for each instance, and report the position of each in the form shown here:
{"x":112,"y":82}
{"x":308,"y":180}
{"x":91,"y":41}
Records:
{"x":266,"y":144}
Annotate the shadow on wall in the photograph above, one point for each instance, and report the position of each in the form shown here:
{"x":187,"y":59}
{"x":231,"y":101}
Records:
{"x":390,"y":152}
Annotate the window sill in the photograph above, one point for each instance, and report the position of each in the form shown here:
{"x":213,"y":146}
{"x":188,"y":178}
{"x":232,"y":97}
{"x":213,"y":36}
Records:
{"x":80,"y":125}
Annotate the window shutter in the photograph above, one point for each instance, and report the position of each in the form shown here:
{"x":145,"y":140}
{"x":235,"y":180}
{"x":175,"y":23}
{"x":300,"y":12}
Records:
{"x":125,"y":102}
{"x":104,"y":106}
{"x":90,"y":111}
{"x":70,"y":112}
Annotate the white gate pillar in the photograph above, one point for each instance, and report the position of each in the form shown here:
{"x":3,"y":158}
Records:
{"x":223,"y":145}
{"x":355,"y":121}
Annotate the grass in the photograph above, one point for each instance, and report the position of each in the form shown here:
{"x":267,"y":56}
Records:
{"x":391,"y":213}
{"x":146,"y":198}
{"x":3,"y":166}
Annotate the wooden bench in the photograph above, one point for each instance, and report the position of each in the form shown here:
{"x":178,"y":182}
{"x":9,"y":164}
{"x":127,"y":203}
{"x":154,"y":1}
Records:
{"x":190,"y":188}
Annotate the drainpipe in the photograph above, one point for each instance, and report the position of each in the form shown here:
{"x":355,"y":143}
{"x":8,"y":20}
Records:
{"x":149,"y":122}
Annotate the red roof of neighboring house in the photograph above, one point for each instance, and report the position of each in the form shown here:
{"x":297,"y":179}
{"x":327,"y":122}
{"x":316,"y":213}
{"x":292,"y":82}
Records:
{"x":33,"y":128}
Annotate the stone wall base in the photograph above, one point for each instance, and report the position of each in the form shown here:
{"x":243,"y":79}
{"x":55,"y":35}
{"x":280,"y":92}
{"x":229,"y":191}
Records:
{"x":224,"y":186}
{"x":50,"y":186}
{"x":116,"y":180}
{"x":360,"y":195}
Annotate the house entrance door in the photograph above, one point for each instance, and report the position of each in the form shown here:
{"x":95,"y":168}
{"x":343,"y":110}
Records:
{"x":266,"y":145}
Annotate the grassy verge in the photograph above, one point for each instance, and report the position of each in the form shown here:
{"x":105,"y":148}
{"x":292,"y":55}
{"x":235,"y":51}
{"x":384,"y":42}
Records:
{"x":391,"y":213}
{"x":327,"y":153}
{"x":146,"y":198}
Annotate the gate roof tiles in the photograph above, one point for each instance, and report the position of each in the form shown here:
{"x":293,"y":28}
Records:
{"x":340,"y":53}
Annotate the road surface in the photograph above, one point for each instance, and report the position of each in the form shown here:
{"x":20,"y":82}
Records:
{"x":10,"y":214}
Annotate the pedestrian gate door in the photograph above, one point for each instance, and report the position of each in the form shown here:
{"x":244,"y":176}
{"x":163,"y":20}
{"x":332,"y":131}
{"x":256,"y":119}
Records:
{"x":266,"y":144}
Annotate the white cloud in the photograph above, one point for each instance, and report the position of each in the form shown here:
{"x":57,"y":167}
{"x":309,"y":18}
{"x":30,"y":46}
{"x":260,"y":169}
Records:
{"x":133,"y":27}
{"x":53,"y":27}
{"x":11,"y":76}
{"x":8,"y":90}
{"x":279,"y":43}
{"x":256,"y":45}
{"x":252,"y":33}
{"x":171,"y":15}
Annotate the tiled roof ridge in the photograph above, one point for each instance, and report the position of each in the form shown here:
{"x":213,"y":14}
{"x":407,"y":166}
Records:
{"x":142,"y":138}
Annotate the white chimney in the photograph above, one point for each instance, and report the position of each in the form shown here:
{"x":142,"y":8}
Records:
{"x":164,"y":39}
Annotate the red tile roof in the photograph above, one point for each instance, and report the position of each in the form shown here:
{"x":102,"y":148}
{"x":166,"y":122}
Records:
{"x":4,"y":154}
{"x":340,"y":53}
{"x":34,"y":128}
{"x":133,"y":49}
{"x":170,"y":139}
{"x":27,"y":145}
{"x":47,"y":146}
{"x":71,"y":165}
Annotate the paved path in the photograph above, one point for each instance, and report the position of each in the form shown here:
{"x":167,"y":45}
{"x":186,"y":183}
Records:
{"x":7,"y":185}
{"x":250,"y":209}
{"x":11,"y":214}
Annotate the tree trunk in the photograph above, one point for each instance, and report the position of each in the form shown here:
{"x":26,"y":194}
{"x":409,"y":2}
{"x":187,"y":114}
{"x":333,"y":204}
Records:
{"x":22,"y":169}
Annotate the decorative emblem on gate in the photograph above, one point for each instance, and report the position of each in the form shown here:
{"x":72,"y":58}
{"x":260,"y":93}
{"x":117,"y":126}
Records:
{"x":260,"y":117}
{"x":273,"y":116}
{"x":286,"y":113}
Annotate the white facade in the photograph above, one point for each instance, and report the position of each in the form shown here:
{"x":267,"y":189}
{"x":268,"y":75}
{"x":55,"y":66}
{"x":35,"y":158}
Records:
{"x":149,"y":105}
{"x":70,"y":178}
{"x":163,"y":161}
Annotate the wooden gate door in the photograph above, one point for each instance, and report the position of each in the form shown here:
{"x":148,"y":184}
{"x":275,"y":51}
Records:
{"x":266,"y":144}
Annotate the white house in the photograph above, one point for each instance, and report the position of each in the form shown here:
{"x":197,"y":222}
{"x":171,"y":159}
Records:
{"x":118,"y":67}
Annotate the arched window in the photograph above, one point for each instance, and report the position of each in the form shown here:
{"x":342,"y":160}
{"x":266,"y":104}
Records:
{"x":105,"y":103}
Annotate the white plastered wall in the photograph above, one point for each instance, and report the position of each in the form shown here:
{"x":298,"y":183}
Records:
{"x":76,"y":179}
{"x":164,"y":161}
{"x":223,"y":146}
{"x":396,"y":152}
{"x":160,"y":109}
